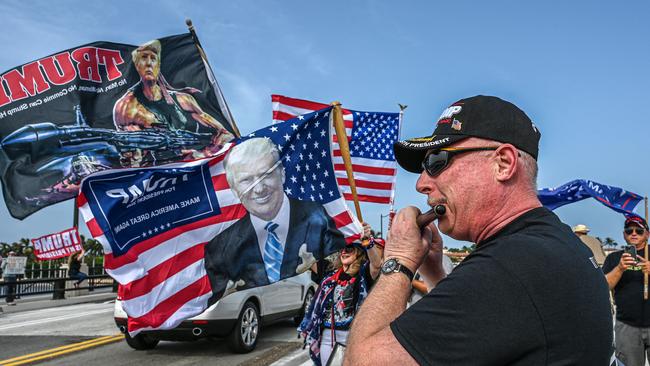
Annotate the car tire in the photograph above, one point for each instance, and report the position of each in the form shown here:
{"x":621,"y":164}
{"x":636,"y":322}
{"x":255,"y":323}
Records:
{"x":141,"y":342}
{"x":305,"y":306}
{"x":243,"y":338}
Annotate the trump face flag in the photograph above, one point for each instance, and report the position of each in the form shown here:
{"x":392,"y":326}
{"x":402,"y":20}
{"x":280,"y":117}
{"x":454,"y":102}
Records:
{"x":181,"y":236}
{"x":371,"y":136}
{"x":615,"y":198}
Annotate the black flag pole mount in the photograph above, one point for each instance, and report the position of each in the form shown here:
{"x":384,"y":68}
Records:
{"x":213,"y":79}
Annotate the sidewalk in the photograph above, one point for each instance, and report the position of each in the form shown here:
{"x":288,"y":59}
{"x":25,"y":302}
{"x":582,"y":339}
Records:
{"x":37,"y":302}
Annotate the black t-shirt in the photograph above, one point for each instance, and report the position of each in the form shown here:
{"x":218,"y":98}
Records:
{"x":628,"y":294}
{"x":529,"y":295}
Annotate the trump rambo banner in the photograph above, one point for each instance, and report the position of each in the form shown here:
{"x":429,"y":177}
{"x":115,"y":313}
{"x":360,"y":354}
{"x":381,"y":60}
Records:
{"x":180,"y":236}
{"x":100,"y":106}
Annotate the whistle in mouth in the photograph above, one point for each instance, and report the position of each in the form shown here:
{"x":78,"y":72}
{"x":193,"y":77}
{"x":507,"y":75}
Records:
{"x":424,"y":219}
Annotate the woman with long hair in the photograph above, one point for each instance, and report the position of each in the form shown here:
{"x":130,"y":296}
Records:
{"x":339,"y":296}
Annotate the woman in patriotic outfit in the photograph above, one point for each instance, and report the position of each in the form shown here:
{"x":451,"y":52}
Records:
{"x":339,"y":296}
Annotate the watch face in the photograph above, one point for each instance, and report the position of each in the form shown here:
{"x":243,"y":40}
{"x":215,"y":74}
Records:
{"x":389,"y":266}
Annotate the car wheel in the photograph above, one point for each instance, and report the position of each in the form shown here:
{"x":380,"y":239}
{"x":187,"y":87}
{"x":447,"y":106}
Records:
{"x":243,"y":338}
{"x":305,"y":306}
{"x":141,"y":342}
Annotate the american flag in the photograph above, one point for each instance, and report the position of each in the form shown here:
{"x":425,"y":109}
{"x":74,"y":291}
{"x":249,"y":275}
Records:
{"x":155,"y":222}
{"x":371,"y":136}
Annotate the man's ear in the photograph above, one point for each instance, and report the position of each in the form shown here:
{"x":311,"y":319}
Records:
{"x":506,"y":159}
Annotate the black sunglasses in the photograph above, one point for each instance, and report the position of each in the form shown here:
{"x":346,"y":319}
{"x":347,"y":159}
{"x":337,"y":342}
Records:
{"x":638,"y":230}
{"x":437,"y":160}
{"x":348,"y":249}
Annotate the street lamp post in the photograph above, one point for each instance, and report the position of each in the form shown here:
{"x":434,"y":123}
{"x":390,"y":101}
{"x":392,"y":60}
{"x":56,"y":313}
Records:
{"x":381,"y":223}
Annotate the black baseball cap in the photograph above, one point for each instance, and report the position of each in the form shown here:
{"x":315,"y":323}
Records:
{"x":481,"y":116}
{"x":636,"y":220}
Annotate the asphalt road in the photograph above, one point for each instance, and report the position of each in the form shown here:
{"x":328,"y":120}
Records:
{"x":29,"y":332}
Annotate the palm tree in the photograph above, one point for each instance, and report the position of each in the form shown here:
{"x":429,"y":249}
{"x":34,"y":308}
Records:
{"x":610,"y":243}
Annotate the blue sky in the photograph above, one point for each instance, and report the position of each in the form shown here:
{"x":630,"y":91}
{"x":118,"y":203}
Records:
{"x":579,"y":69}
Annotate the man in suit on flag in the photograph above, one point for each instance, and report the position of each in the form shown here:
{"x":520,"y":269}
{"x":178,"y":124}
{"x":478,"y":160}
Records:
{"x":278,"y":237}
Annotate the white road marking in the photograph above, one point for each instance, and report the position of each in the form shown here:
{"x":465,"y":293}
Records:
{"x":54,"y":319}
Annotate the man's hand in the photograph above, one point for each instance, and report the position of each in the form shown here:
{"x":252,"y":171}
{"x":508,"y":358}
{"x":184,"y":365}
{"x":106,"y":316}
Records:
{"x":431,"y":269}
{"x":645,"y":265}
{"x":306,"y":259}
{"x":626,"y":262}
{"x":434,"y":256}
{"x":406,"y":242}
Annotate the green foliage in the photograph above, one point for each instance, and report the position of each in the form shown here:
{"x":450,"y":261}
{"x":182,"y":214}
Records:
{"x":464,"y":249}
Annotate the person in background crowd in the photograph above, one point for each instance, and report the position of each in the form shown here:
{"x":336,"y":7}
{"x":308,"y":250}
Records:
{"x":74,"y":268}
{"x":592,"y":243}
{"x":10,"y":288}
{"x":342,"y":291}
{"x":624,"y":274}
{"x":527,"y":295}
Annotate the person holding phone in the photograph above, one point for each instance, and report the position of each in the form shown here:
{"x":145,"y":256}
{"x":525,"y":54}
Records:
{"x":624,"y":273}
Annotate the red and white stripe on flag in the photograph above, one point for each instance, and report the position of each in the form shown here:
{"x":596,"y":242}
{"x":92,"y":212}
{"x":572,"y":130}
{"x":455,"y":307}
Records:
{"x":374,"y":178}
{"x":162,"y":279}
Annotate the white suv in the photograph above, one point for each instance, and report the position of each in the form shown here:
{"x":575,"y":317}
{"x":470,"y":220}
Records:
{"x":237,"y":316}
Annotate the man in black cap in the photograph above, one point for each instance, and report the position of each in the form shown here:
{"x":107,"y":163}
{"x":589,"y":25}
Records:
{"x":624,"y":274}
{"x":528,"y":295}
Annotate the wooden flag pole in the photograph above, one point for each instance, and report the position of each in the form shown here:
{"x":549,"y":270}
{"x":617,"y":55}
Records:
{"x":342,"y":137}
{"x":645,"y":255}
{"x":220,"y":96}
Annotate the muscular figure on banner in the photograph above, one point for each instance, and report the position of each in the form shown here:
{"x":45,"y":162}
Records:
{"x":278,"y":237}
{"x":153,"y":103}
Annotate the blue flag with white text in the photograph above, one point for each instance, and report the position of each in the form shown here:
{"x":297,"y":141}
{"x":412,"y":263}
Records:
{"x":615,"y":198}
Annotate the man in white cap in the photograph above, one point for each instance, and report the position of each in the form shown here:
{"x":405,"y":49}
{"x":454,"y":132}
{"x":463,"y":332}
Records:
{"x":592,"y":243}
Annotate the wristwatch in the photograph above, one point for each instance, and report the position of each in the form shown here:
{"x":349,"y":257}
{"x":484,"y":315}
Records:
{"x":394,"y":266}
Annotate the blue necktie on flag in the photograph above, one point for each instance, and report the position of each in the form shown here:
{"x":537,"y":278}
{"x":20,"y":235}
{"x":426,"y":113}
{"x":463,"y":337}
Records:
{"x":615,"y":198}
{"x":154,"y":223}
{"x":273,"y":251}
{"x":371,"y":136}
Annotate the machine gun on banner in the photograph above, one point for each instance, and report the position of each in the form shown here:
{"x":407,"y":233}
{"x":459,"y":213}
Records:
{"x":68,"y":153}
